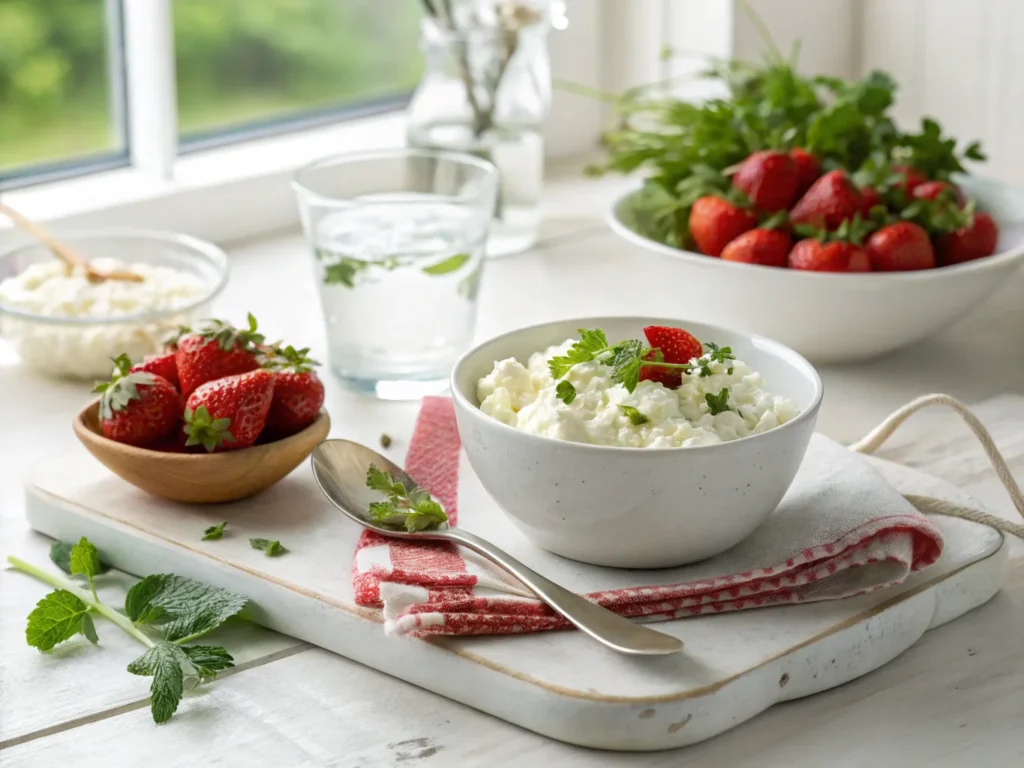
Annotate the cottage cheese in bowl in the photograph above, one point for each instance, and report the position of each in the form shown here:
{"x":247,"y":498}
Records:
{"x":63,"y":325}
{"x":717,"y":401}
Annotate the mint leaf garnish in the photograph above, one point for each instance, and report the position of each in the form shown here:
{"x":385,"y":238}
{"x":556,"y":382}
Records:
{"x":56,"y":618}
{"x":565,"y":392}
{"x":214,"y":532}
{"x":634,"y":415}
{"x":629,"y":356}
{"x":451,"y":264}
{"x":271,"y":548}
{"x":715,"y":354}
{"x":408,"y":507}
{"x":591,"y":344}
{"x":343,"y":271}
{"x":176,"y":608}
{"x":718,"y":403}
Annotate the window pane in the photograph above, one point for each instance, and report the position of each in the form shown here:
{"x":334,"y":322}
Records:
{"x":242,"y":62}
{"x":57,"y":98}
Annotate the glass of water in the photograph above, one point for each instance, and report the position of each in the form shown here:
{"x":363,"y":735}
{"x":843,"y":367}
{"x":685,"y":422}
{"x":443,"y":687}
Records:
{"x":398,"y":241}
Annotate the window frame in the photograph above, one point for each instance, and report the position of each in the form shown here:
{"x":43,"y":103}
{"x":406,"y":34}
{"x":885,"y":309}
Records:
{"x":232,"y":187}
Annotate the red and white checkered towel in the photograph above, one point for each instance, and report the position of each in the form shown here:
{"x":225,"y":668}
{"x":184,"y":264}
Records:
{"x":827,"y":540}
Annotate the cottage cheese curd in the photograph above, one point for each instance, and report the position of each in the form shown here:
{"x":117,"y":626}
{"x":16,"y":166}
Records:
{"x":524,"y":397}
{"x":84,"y":350}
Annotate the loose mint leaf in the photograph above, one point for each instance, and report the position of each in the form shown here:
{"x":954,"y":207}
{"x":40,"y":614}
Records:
{"x":718,"y":403}
{"x":379,"y":480}
{"x":626,"y":363}
{"x":269,"y":548}
{"x":214,"y":532}
{"x":565,"y":392}
{"x":634,"y":415}
{"x":166,"y":663}
{"x":208,"y":659}
{"x":56,"y":618}
{"x":183,"y":607}
{"x":451,"y":264}
{"x":89,"y":629}
{"x":591,"y":344}
{"x":85,"y":559}
{"x":60,"y":554}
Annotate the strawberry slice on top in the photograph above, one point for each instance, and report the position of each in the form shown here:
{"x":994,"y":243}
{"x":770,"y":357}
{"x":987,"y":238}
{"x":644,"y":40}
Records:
{"x":669,"y":345}
{"x":216,"y":351}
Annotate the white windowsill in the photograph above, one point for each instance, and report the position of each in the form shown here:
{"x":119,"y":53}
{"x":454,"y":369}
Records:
{"x":221,"y":194}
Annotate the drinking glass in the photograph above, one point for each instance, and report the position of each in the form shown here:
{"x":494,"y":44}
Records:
{"x":398,"y":240}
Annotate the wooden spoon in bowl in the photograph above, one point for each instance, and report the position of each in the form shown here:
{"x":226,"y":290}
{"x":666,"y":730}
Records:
{"x":64,"y":252}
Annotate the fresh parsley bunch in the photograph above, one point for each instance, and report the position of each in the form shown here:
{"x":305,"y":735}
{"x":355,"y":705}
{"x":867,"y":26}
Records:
{"x":164,"y":612}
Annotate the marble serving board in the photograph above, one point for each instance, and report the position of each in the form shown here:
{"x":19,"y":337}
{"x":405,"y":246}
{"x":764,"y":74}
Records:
{"x":559,"y":684}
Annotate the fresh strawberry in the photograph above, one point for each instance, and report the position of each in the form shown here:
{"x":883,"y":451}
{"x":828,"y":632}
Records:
{"x":900,"y":247}
{"x":160,"y":365}
{"x":175,"y":443}
{"x":669,"y":345}
{"x":137,"y":408}
{"x":912,"y":177}
{"x":869,"y":198}
{"x":298,"y":393}
{"x":767,"y":247}
{"x":769,"y":179}
{"x":969,"y":243}
{"x":808,"y":169}
{"x":931,"y":190}
{"x":714,"y":222}
{"x":229,"y":413}
{"x":836,"y":256}
{"x":216,"y":351}
{"x":831,"y":200}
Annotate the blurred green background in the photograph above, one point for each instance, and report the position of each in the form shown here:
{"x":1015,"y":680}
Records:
{"x":238,"y":62}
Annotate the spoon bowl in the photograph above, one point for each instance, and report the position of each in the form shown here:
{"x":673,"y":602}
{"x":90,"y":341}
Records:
{"x":340,"y":468}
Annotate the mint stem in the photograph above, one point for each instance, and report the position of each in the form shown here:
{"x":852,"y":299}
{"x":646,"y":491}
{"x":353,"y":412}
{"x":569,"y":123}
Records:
{"x":91,"y":600}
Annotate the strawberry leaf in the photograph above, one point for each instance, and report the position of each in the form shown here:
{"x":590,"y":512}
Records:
{"x":204,"y":430}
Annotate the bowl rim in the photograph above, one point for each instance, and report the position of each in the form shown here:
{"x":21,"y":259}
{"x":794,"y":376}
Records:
{"x":84,"y":433}
{"x":213,"y":252}
{"x":780,"y":350}
{"x":862,"y":278}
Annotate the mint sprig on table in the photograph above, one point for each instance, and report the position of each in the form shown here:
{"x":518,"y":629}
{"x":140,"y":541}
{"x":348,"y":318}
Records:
{"x":407,"y":506}
{"x":627,"y":359}
{"x":163,"y":612}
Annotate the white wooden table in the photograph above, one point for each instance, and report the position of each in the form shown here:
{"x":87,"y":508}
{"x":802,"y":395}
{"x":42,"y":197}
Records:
{"x":954,"y":699}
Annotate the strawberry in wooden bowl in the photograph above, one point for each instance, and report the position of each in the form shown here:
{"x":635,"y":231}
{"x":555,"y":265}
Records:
{"x":218,"y":417}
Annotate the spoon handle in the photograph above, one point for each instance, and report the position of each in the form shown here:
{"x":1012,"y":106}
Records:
{"x":616,"y":632}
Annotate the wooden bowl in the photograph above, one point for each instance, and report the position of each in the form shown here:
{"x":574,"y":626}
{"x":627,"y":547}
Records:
{"x":197,"y":478}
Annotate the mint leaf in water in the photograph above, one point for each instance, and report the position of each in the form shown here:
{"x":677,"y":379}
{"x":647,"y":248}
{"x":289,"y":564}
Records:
{"x":634,"y":415}
{"x":565,"y":392}
{"x":344,"y":272}
{"x":214,"y":532}
{"x":268,"y":547}
{"x":57,"y":617}
{"x":451,"y":264}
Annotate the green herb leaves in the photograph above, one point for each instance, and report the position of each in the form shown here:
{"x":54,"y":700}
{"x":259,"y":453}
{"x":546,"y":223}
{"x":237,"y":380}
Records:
{"x":590,"y":345}
{"x":714,"y":354}
{"x":718,"y":403}
{"x":407,"y":506}
{"x":345,"y":270}
{"x":565,"y":392}
{"x":163,"y":612}
{"x":214,"y":532}
{"x":451,"y":264}
{"x":633,"y":415}
{"x":58,"y":617}
{"x":271,"y":548}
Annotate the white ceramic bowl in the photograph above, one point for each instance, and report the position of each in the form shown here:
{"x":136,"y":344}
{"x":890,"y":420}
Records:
{"x":842,"y":318}
{"x":635,"y":507}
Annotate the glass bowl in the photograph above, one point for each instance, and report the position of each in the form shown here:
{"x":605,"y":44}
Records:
{"x":83,"y":327}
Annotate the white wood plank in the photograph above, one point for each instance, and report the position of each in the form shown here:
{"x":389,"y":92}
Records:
{"x":892,"y":39}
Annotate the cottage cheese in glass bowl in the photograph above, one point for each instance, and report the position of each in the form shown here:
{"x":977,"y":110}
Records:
{"x":62,"y":325}
{"x":603,"y":412}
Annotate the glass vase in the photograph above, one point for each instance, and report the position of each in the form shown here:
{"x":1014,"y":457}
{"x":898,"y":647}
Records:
{"x":486,"y":91}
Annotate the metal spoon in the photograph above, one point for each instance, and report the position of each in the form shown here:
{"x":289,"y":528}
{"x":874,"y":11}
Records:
{"x":339,"y":467}
{"x":65,"y":252}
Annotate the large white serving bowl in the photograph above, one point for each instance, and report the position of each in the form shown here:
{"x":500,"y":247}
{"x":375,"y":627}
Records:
{"x":834,"y":318}
{"x":635,"y":507}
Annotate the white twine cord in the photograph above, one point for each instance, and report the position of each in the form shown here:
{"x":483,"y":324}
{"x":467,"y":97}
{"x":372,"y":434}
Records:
{"x":928,"y":505}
